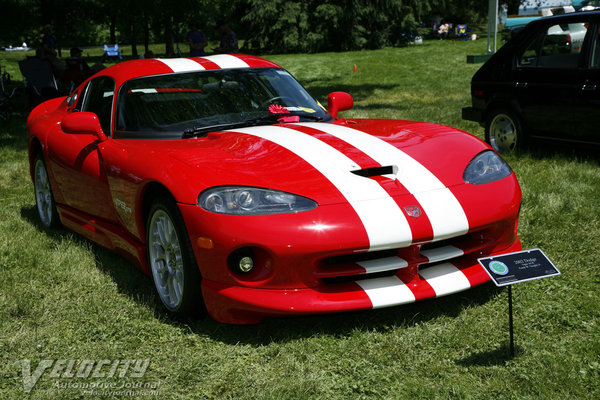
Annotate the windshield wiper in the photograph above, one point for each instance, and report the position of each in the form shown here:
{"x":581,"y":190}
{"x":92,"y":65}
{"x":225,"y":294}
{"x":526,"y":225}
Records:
{"x":202,"y":131}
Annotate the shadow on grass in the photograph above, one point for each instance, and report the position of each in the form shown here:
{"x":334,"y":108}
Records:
{"x":130,"y":280}
{"x":277,"y":330}
{"x":499,"y":356}
{"x":138,"y":287}
{"x":378,"y":106}
{"x":574,"y":152}
{"x":13,"y":133}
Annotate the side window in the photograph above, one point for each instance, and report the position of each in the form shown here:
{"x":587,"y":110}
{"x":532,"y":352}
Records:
{"x":98,"y":99}
{"x":529,"y":58}
{"x":559,"y":47}
{"x":72,"y":100}
{"x":79,"y":103}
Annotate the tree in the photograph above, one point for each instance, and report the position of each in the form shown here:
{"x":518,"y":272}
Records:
{"x":266,"y":25}
{"x":287,"y":26}
{"x":513,"y":6}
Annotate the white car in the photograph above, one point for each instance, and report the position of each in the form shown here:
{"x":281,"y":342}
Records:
{"x":570,"y":35}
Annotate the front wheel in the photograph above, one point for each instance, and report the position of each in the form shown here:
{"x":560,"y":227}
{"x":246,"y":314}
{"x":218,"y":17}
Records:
{"x":44,"y":199}
{"x":171,"y":259}
{"x":504,"y":131}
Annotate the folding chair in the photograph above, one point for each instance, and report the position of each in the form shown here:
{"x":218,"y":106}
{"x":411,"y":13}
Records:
{"x":39,"y":80}
{"x":73,"y":74}
{"x":112,"y":51}
{"x":5,"y":98}
{"x":462,"y":32}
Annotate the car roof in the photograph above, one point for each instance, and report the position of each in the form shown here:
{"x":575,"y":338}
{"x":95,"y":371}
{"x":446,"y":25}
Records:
{"x":563,"y":17}
{"x":525,"y":33}
{"x":127,"y":70}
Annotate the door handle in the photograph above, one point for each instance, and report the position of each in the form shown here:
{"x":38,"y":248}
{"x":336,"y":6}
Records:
{"x":588,"y":88}
{"x":521,"y":84}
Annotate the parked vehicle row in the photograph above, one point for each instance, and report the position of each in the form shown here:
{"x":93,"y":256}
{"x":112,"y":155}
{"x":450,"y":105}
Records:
{"x":544,"y":84}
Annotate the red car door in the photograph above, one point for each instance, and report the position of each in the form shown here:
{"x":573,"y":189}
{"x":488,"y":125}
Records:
{"x":76,"y":160}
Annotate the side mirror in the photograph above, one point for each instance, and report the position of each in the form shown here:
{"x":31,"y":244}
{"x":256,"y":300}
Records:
{"x":339,"y":101}
{"x":82,"y":123}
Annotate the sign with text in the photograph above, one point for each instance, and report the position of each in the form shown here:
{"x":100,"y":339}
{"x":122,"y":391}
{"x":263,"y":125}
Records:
{"x":521,"y":266}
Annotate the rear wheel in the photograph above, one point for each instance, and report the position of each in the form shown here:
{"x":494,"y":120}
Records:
{"x":44,"y":200}
{"x":172,"y":264}
{"x":504,"y":131}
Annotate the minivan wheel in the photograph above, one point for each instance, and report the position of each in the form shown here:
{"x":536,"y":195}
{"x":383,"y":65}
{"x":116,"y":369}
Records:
{"x":504,"y":131}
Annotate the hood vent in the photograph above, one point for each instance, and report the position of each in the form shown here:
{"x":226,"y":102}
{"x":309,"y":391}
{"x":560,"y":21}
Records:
{"x":377,"y":171}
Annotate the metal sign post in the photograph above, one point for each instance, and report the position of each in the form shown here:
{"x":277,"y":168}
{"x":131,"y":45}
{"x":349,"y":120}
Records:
{"x":492,"y":25}
{"x":510,"y":323}
{"x":511,"y":268}
{"x":492,"y":33}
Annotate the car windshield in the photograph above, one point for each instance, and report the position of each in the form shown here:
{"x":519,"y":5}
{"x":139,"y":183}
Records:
{"x":167,"y":105}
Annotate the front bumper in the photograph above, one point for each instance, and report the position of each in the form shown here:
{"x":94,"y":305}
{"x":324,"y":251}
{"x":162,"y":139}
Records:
{"x":246,"y":305}
{"x":320,"y":262}
{"x":472,"y":114}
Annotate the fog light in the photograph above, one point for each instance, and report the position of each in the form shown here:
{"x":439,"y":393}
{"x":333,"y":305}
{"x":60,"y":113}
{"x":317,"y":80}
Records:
{"x":246,"y":264}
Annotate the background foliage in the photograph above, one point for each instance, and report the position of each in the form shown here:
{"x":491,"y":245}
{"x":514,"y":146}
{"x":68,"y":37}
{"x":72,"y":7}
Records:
{"x":276,"y":26}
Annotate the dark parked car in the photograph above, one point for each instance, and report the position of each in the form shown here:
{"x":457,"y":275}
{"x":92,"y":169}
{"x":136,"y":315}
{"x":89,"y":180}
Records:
{"x":544,"y":84}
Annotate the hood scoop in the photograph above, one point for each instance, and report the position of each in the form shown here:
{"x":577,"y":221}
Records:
{"x":377,"y":171}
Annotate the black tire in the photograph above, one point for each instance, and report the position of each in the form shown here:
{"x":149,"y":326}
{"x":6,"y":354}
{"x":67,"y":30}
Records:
{"x":504,"y":131}
{"x":171,"y":260}
{"x":44,"y":198}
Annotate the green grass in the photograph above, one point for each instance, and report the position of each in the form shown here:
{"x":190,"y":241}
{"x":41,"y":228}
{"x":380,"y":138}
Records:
{"x":64,"y":298}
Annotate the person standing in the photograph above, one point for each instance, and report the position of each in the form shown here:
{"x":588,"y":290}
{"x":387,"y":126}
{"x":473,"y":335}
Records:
{"x":196,"y":39}
{"x":229,"y":42}
{"x":48,"y":40}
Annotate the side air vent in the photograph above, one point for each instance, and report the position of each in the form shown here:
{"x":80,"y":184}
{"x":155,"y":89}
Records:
{"x":377,"y":171}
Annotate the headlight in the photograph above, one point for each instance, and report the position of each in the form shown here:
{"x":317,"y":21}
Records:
{"x":243,"y":200}
{"x":486,"y":167}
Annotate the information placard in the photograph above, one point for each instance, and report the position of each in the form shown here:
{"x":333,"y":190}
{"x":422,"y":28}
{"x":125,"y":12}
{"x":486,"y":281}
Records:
{"x":521,"y":266}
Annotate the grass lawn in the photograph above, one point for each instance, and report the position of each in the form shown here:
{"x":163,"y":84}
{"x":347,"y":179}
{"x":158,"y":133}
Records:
{"x":64,"y":298}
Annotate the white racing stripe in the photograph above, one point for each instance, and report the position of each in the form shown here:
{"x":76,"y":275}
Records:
{"x":387,"y":291}
{"x":445,"y":213}
{"x":445,"y":279}
{"x":383,"y":264}
{"x":227,"y":61}
{"x":391,"y":291}
{"x":442,"y":253}
{"x":383,"y":220}
{"x":181,"y":64}
{"x":187,"y":65}
{"x":146,"y":91}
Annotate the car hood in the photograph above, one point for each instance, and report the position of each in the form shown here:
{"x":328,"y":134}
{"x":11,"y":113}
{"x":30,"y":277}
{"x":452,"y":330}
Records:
{"x":328,"y":161}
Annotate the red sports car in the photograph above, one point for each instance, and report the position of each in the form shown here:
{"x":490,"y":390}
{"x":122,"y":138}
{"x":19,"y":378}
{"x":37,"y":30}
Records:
{"x":224,"y":180}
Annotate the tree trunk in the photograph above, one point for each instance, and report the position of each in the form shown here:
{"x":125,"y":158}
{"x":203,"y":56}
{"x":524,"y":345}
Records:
{"x":513,"y":6}
{"x":146,"y":34}
{"x":134,"y":52}
{"x":169,"y":40}
{"x":113,"y":28}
